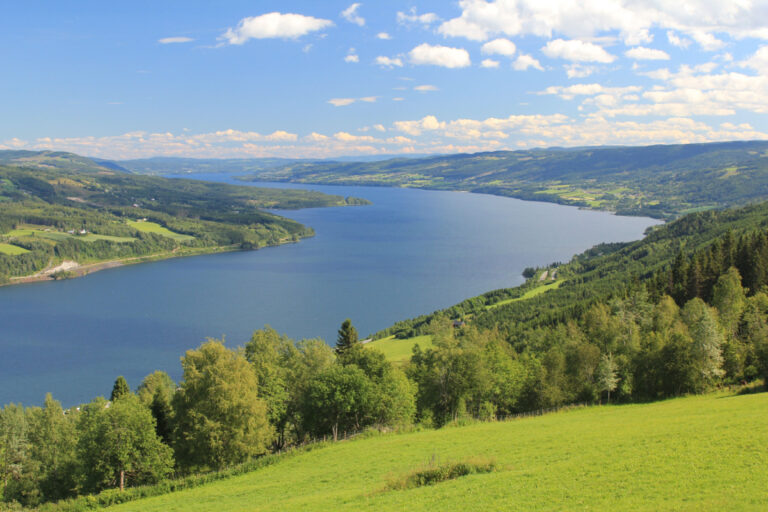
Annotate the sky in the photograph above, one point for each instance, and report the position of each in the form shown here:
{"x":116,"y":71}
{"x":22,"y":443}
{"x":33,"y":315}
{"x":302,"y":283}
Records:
{"x":321,"y":79}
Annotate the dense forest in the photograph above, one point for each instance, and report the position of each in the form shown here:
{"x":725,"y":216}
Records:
{"x":58,"y":206}
{"x":684,"y":310}
{"x":656,"y":181}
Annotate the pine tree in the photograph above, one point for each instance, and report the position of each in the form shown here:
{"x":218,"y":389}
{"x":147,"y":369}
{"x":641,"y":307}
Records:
{"x":347,"y":337}
{"x":120,"y":389}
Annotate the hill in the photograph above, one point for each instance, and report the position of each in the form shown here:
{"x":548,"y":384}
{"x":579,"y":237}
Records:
{"x":698,"y":453}
{"x":658,"y":181}
{"x":60,"y":212}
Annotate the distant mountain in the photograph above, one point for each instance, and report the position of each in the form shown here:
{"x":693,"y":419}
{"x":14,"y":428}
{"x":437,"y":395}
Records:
{"x":54,"y":160}
{"x":661,"y":181}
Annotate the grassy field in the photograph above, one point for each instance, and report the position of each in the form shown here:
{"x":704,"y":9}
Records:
{"x":533,"y":292}
{"x":58,"y":236}
{"x":11,"y":250}
{"x":153,"y":227}
{"x":399,"y":351}
{"x":699,"y":453}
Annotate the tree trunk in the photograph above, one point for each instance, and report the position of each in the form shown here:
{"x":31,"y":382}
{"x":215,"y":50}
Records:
{"x":122,"y":480}
{"x":335,"y":431}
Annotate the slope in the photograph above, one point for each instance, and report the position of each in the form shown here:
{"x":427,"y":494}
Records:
{"x":697,"y":453}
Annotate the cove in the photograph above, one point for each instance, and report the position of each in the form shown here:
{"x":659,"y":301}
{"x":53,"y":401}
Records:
{"x":411,"y":252}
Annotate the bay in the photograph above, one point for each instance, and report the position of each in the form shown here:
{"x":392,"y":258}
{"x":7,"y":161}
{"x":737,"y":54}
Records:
{"x":409,"y":253}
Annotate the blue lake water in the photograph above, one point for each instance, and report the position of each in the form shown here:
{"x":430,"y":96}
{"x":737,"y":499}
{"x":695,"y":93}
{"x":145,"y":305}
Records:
{"x":411,"y":252}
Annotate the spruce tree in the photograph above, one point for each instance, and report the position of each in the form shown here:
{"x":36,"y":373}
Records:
{"x":120,"y":388}
{"x":347,"y":337}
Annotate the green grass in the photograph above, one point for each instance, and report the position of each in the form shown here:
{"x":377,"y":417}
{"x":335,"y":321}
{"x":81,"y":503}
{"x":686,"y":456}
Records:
{"x":11,"y":250}
{"x":153,"y":227}
{"x":398,"y":351}
{"x":533,"y":292}
{"x":58,"y":236}
{"x":698,"y":453}
{"x":90,"y":237}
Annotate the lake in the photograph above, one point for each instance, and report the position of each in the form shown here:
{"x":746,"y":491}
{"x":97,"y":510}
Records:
{"x":410,"y":253}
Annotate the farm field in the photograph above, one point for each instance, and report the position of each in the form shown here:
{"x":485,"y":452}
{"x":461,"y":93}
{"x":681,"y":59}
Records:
{"x":153,"y":227}
{"x":400,"y":351}
{"x":12,"y":250}
{"x":697,"y":453}
{"x":533,"y":292}
{"x":58,"y":236}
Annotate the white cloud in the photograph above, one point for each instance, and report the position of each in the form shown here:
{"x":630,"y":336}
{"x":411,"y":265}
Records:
{"x":341,"y":102}
{"x":758,"y":61}
{"x":350,"y":14}
{"x":274,"y":25}
{"x":415,"y":128}
{"x":579,"y":70}
{"x":282,"y":136}
{"x":576,"y":51}
{"x":379,"y":128}
{"x":523,"y":62}
{"x":172,"y":40}
{"x":489,"y":63}
{"x":675,"y":40}
{"x":387,"y":62}
{"x":369,"y":99}
{"x":348,"y":137}
{"x":384,"y":36}
{"x":632,"y":20}
{"x":352,"y":56}
{"x":445,"y":56}
{"x":398,"y":99}
{"x":499,"y":46}
{"x":643,"y":53}
{"x":425,"y":88}
{"x":413,"y":17}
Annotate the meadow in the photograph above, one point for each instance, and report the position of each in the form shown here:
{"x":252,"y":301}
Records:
{"x":704,"y":452}
{"x":12,"y":250}
{"x":400,"y":351}
{"x":154,"y":227}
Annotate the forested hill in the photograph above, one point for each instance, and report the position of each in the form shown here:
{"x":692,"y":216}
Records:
{"x":662,"y":181}
{"x":57,"y":207}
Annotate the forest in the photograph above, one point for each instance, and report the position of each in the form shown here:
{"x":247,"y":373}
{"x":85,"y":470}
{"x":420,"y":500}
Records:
{"x":47,"y":200}
{"x":661,"y":181}
{"x":683,"y":311}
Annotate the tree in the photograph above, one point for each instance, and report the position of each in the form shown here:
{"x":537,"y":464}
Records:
{"x":154,"y":382}
{"x":607,"y":375}
{"x":16,"y":466}
{"x":118,"y":445}
{"x":707,"y":342}
{"x":53,"y":442}
{"x":339,"y":399}
{"x":120,"y":389}
{"x":347,"y":337}
{"x":220,"y":419}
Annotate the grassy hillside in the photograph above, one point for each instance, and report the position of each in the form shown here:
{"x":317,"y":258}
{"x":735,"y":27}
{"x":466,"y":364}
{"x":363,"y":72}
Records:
{"x":659,"y":181}
{"x":57,"y":207}
{"x":698,"y":453}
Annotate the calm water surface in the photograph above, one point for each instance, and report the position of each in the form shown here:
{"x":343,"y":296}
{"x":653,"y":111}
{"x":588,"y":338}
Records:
{"x":411,"y":252}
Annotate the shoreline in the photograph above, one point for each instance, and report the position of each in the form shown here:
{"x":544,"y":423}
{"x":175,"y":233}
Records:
{"x":90,"y":268}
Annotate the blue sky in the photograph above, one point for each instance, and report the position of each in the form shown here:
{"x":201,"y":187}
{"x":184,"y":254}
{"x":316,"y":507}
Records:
{"x":323,"y":79}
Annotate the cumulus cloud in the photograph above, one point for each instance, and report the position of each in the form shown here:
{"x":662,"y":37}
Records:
{"x":389,"y":62}
{"x":274,"y":25}
{"x":523,"y":62}
{"x":425,"y":88}
{"x":174,"y":40}
{"x":384,"y":36}
{"x":675,"y":40}
{"x":643,"y":53}
{"x":341,"y":102}
{"x":416,"y":128}
{"x":576,"y":51}
{"x":444,"y":56}
{"x":499,"y":46}
{"x":350,"y":14}
{"x":632,"y":20}
{"x":489,"y":63}
{"x":352,"y":56}
{"x":413,"y":17}
{"x":758,"y":61}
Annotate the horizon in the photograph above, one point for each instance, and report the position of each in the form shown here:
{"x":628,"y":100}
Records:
{"x":358,"y":79}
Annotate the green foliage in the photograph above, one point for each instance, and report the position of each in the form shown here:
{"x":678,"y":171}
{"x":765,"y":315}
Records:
{"x":120,"y":389}
{"x":434,"y":473}
{"x":118,"y":445}
{"x":347,"y":337}
{"x":220,"y":418}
